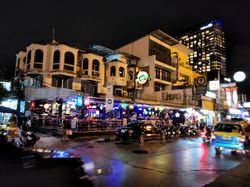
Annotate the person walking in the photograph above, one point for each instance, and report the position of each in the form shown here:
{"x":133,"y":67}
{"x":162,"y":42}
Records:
{"x":66,"y":131}
{"x":74,"y":123}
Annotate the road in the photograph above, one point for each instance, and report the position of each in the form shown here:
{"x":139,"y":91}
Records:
{"x":178,"y":162}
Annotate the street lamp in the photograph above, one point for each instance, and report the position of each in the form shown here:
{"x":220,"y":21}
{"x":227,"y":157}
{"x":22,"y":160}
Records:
{"x":239,"y":76}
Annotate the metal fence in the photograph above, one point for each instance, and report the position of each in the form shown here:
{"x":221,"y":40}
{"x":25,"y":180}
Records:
{"x":82,"y":125}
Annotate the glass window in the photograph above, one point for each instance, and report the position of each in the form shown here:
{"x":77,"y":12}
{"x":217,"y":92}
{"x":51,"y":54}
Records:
{"x":228,"y":127}
{"x":85,"y":64}
{"x":161,"y":53}
{"x":130,"y":73}
{"x":157,"y":73}
{"x":95,"y":68}
{"x":69,"y":58}
{"x":69,"y":61}
{"x":121,"y":72}
{"x":112,"y":71}
{"x":166,"y":75}
{"x":56,"y":57}
{"x":39,"y":55}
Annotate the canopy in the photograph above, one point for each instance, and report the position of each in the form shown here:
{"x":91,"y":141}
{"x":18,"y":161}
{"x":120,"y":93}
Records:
{"x":4,"y":109}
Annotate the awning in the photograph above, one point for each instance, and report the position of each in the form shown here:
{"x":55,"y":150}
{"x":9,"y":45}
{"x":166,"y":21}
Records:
{"x":48,"y":93}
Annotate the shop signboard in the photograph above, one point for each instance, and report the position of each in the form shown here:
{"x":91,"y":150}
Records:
{"x":201,"y":89}
{"x":109,"y":104}
{"x":207,"y":105}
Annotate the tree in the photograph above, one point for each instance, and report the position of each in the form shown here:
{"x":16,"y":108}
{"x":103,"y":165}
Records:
{"x":3,"y":92}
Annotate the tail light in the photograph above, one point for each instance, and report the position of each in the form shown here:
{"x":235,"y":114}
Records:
{"x":242,"y":139}
{"x":203,"y":134}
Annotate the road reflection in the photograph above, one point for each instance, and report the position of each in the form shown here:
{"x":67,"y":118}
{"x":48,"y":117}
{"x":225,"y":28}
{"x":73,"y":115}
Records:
{"x":183,"y":161}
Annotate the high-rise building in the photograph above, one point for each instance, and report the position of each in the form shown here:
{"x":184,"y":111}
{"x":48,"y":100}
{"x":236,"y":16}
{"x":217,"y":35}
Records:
{"x":208,"y":43}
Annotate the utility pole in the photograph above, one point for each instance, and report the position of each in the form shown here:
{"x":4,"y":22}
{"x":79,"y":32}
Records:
{"x":218,"y":100}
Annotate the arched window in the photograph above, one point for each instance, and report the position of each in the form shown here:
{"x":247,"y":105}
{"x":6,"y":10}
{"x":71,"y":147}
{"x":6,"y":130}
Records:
{"x":85,"y":66}
{"x":69,"y":58}
{"x":38,"y":63}
{"x":56,"y":59}
{"x":69,"y":61}
{"x":95,"y":68}
{"x":28,"y":60}
{"x":121,"y":72}
{"x":112,"y":71}
{"x":39,"y":55}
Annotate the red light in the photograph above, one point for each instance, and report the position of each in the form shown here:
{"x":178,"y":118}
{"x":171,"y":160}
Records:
{"x":203,"y":134}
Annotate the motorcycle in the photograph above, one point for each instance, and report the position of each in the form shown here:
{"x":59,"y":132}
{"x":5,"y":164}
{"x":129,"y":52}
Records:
{"x":27,"y":139}
{"x":206,"y":135}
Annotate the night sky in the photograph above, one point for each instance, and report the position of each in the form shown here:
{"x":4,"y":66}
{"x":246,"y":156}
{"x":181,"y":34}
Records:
{"x":113,"y":23}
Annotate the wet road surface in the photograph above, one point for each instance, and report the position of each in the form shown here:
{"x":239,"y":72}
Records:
{"x":178,"y":162}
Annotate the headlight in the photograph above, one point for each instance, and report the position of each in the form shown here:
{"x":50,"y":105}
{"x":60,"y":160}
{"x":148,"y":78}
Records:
{"x":148,"y":128}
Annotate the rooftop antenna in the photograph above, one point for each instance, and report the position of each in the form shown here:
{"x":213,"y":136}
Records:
{"x":53,"y":37}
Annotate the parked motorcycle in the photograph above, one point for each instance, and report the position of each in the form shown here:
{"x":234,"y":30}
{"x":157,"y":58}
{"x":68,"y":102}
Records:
{"x":27,"y":139}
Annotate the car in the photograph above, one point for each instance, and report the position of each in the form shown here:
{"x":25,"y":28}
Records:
{"x":140,"y":131}
{"x":231,"y":134}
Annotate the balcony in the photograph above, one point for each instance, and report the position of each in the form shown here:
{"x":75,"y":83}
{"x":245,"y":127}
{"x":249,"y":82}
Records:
{"x":117,"y":81}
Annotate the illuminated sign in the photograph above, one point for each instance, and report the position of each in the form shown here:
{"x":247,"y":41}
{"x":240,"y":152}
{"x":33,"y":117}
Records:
{"x":214,"y":85}
{"x":142,"y":77}
{"x":235,"y":96}
{"x":87,"y":101}
{"x":228,"y":85}
{"x":210,"y":94}
{"x":206,"y":26}
{"x":229,"y":97}
{"x":246,"y":104}
{"x":79,"y":101}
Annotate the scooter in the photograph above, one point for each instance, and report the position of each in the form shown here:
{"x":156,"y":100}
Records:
{"x":28,"y":139}
{"x":205,"y":135}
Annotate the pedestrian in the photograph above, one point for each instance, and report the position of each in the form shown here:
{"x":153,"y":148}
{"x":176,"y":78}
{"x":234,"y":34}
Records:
{"x":66,"y":130}
{"x":74,"y":123}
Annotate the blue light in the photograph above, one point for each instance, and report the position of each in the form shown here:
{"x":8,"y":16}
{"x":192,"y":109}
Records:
{"x":79,"y":101}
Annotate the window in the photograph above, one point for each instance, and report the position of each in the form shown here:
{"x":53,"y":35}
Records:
{"x":161,"y":53}
{"x":85,"y":66}
{"x":166,"y":75}
{"x":95,"y":68}
{"x":38,"y":59}
{"x":39,"y":55}
{"x":112,"y":71}
{"x":69,"y":61}
{"x":159,"y":87}
{"x":228,"y":127}
{"x":121,"y":72}
{"x":56,"y":60}
{"x":28,"y":60}
{"x":68,"y":83}
{"x":157,"y":73}
{"x":130,"y":74}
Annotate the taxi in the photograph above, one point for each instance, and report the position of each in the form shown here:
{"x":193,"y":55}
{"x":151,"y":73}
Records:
{"x":231,"y":134}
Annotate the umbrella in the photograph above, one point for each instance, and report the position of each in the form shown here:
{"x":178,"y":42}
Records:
{"x":4,"y":109}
